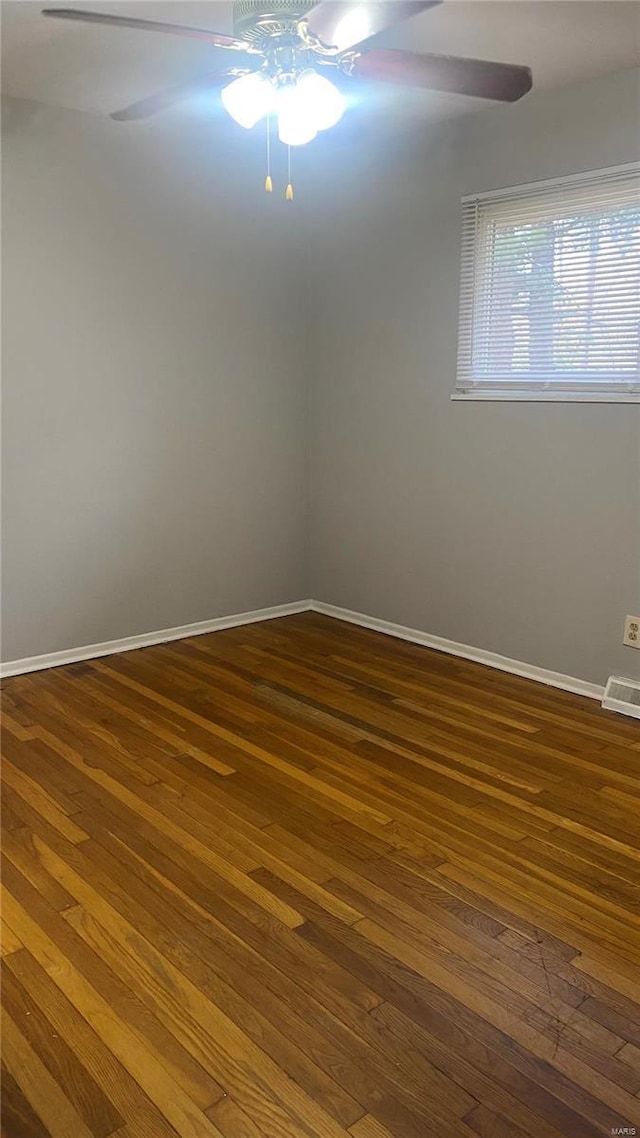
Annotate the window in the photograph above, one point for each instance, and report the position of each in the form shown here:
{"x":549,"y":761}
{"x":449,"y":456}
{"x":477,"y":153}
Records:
{"x":550,"y":290}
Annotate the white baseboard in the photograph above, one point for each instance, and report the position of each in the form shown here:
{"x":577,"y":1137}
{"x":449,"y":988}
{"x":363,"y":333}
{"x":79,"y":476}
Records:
{"x":145,"y":640}
{"x":452,"y":648}
{"x":128,"y":643}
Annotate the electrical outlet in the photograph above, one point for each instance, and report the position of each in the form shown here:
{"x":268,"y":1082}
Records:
{"x":632,"y":632}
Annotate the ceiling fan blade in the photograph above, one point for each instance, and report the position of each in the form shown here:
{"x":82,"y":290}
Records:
{"x":505,"y":82}
{"x":163,"y":100}
{"x":344,"y":23}
{"x":213,"y":38}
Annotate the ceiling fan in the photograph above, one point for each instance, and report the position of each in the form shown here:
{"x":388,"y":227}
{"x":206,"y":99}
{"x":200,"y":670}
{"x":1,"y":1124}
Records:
{"x":282,"y":49}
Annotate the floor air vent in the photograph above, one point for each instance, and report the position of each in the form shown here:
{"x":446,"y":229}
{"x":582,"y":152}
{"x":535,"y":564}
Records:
{"x":623,"y":696}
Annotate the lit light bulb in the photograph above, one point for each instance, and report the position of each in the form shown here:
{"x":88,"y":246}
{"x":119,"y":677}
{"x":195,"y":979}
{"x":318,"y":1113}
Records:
{"x":324,"y":102}
{"x":249,"y":98}
{"x":296,"y":126}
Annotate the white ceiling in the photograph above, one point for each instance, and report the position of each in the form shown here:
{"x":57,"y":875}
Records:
{"x":99,"y":69}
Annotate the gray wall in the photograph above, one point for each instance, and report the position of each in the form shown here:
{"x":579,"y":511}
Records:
{"x":164,"y":327}
{"x":510,"y":527}
{"x":154,"y":416}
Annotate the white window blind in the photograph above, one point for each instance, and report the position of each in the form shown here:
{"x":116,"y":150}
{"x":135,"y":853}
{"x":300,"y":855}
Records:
{"x":550,"y":288}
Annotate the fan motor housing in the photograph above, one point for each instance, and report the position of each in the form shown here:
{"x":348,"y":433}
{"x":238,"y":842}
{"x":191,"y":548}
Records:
{"x":257,"y":21}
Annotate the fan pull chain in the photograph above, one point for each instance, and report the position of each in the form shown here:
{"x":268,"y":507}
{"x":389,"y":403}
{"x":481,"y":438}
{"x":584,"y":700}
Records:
{"x":289,"y":190}
{"x":268,"y":184}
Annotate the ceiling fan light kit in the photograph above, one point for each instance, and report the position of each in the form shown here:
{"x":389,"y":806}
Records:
{"x":248,"y":98}
{"x":281,"y":49}
{"x":303,"y":105}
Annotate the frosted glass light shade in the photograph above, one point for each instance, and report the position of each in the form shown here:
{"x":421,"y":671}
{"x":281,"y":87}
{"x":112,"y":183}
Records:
{"x":248,"y":99}
{"x":296,"y":126}
{"x":324,"y":102}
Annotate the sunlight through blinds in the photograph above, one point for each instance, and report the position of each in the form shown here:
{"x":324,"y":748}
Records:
{"x":550,"y":286}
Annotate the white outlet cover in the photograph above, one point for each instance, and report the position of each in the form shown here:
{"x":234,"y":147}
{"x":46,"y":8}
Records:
{"x":631,"y":632}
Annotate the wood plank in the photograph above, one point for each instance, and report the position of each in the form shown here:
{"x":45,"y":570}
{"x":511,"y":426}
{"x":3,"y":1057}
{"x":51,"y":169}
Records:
{"x":299,"y":880}
{"x":38,"y":1086}
{"x":128,"y":1047}
{"x":113,"y":1079}
{"x":78,"y":1086}
{"x":18,"y":1119}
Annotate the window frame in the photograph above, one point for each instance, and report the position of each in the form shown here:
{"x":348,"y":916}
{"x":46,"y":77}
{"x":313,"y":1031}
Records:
{"x":473,"y":269}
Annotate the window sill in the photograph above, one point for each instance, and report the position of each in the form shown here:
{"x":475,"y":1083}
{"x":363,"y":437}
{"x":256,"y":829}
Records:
{"x":548,"y":396}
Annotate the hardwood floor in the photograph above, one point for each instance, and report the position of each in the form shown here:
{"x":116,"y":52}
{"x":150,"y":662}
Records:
{"x":299,"y":879}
